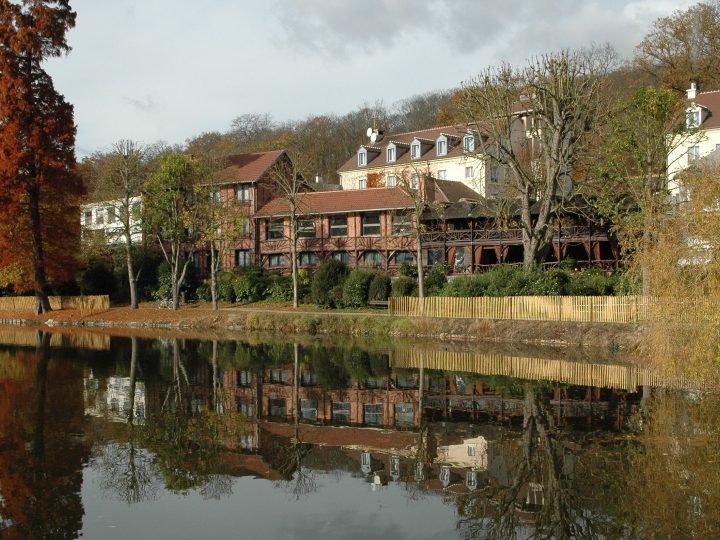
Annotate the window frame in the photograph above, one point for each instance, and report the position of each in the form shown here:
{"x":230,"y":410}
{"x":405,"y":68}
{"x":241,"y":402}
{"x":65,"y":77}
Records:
{"x":332,"y":227}
{"x":391,"y":180}
{"x":304,"y":229}
{"x":246,"y":253}
{"x":469,"y":143}
{"x":362,"y":158}
{"x":308,"y":258}
{"x":441,"y":146}
{"x":693,"y":154}
{"x":241,"y":190}
{"x":415,"y":150}
{"x":364,"y":225}
{"x":362,"y":183}
{"x":272,"y":231}
{"x":442,"y":174}
{"x":275,"y":258}
{"x":391,"y":154}
{"x":402,"y":224}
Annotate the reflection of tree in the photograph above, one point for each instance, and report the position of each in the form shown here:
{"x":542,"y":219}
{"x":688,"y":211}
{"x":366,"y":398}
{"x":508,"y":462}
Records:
{"x":298,"y":480}
{"x":40,"y":463}
{"x":537,"y":490}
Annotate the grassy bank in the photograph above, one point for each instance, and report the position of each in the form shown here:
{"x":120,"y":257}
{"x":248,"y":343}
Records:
{"x":601,"y":337}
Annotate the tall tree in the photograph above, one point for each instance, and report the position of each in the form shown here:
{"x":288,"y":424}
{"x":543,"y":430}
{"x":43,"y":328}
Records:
{"x":535,"y":121}
{"x":172,"y":214}
{"x":39,"y":189}
{"x":684,"y":46}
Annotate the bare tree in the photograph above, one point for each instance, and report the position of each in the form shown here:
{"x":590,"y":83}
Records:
{"x":534,"y":121}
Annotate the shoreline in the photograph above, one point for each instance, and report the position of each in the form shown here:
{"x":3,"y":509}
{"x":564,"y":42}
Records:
{"x":602,"y":337}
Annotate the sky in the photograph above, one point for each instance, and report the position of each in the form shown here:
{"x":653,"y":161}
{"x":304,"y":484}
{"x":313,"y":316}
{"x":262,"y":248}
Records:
{"x":168,"y":70}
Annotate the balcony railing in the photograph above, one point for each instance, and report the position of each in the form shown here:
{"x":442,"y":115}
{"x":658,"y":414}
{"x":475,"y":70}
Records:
{"x":479,"y":236}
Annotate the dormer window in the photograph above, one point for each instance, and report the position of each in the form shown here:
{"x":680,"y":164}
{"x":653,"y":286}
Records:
{"x":469,"y":143}
{"x":441,"y":146}
{"x":415,"y":150}
{"x":362,"y":157}
{"x":692,"y":117}
{"x":391,"y":153}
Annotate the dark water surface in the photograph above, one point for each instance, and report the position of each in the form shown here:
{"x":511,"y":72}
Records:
{"x":263,"y":438}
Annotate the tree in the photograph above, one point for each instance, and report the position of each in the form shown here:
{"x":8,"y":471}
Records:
{"x":684,"y":47}
{"x":172,"y":214}
{"x":644,"y":132}
{"x":535,"y":122}
{"x":39,"y":189}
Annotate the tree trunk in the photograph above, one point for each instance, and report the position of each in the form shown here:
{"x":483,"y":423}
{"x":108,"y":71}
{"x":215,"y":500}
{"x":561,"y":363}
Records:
{"x":213,"y":277}
{"x":132,"y":279}
{"x":293,"y":257}
{"x":421,"y":269}
{"x":43,"y":302}
{"x":133,"y":377}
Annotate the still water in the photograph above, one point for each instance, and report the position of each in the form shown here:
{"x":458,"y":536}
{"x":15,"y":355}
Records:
{"x":263,"y":438}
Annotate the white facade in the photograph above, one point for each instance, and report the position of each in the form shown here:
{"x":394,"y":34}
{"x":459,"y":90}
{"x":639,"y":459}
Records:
{"x":701,"y":140}
{"x":104,"y":218}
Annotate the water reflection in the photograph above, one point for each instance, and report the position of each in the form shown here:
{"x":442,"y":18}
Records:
{"x":513,"y":457}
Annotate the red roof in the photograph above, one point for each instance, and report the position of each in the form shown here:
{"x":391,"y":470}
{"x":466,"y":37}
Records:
{"x":248,"y":167}
{"x":711,"y":101}
{"x":340,"y":202}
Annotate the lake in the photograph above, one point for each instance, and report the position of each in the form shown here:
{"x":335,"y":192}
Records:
{"x":305,"y":438}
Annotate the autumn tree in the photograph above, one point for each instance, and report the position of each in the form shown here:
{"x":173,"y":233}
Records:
{"x":171,"y":213}
{"x":684,"y":47}
{"x":535,"y":121}
{"x":39,"y":189}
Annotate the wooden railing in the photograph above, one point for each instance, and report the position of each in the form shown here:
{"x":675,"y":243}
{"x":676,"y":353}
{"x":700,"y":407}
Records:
{"x":82,"y":303}
{"x":511,"y":236}
{"x":606,"y":309}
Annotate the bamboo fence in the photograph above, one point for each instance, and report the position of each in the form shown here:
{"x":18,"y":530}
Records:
{"x":563,"y":371}
{"x":82,"y":303}
{"x":607,"y":309}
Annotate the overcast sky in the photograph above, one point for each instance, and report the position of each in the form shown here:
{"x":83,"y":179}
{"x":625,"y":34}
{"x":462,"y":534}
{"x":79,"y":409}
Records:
{"x":170,"y":69}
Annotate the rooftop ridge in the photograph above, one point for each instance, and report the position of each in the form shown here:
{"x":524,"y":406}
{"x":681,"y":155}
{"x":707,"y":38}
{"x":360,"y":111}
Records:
{"x":421,"y":130}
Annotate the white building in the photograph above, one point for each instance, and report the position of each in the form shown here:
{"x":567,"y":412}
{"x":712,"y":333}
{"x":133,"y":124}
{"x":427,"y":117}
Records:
{"x":104,"y":218}
{"x":445,"y":153}
{"x":703,"y":115}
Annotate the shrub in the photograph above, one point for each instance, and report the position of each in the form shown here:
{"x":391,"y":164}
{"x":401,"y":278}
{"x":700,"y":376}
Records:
{"x":379,"y":287}
{"x":435,"y":279}
{"x":592,"y":282}
{"x":98,"y":278}
{"x":250,"y":287}
{"x":226,"y":290}
{"x":356,"y":287}
{"x":404,"y":286}
{"x":280,"y":289}
{"x":329,"y":275}
{"x":408,"y":270}
{"x":203,"y":292}
{"x":465,"y":286}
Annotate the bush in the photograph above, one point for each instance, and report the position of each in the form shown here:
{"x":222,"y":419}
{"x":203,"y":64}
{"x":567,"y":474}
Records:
{"x":329,"y":275}
{"x":404,"y":286}
{"x":203,"y":292}
{"x":593,"y":282}
{"x":408,"y":270}
{"x":435,"y":279}
{"x":356,"y":287}
{"x":280,"y":289}
{"x":250,"y":287}
{"x":225,"y":287}
{"x":379,"y":287}
{"x":98,"y":278}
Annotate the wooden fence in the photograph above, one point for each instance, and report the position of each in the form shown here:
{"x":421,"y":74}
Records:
{"x":608,"y":309}
{"x":83,"y":303}
{"x":629,"y":378}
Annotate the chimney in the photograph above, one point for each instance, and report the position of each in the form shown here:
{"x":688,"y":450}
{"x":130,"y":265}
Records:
{"x":693,"y":90}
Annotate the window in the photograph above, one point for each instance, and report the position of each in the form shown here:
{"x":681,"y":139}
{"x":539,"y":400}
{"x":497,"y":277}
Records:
{"x":693,"y":154}
{"x":308,"y":378}
{"x":375,"y":382}
{"x":278,"y":376}
{"x":442,"y":174}
{"x":373,"y":258}
{"x":112,"y":217}
{"x":435,"y":256}
{"x":404,"y":414}
{"x":277,"y":407}
{"x":88,"y":217}
{"x":275,"y":229}
{"x":242,"y":193}
{"x":215,"y":195}
{"x":414,"y":181}
{"x":338,"y":226}
{"x":362,"y":158}
{"x":308,"y":409}
{"x":245,"y":227}
{"x":468,"y":172}
{"x":99,"y":216}
{"x":371,"y":225}
{"x":276,"y":259}
{"x":373,"y":414}
{"x":245,"y":407}
{"x":308,"y":259}
{"x":494,"y":173}
{"x":362,"y":183}
{"x":306,"y":228}
{"x":415,"y":150}
{"x":391,"y":154}
{"x":402,"y":224}
{"x":246,"y":441}
{"x":341,"y":412}
{"x":244,"y":377}
{"x":404,"y":257}
{"x":693,"y":118}
{"x":441,"y":146}
{"x":242,"y":257}
{"x":469,"y":143}
{"x":342,"y":256}
{"x":471,"y":451}
{"x":391,"y":181}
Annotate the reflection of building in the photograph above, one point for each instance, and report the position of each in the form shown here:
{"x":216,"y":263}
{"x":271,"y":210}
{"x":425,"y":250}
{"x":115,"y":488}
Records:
{"x":472,"y":453}
{"x":113,"y":402}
